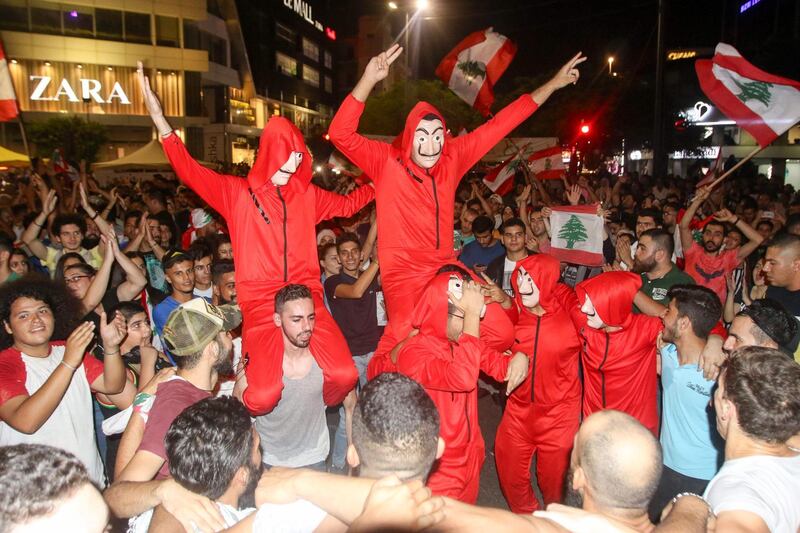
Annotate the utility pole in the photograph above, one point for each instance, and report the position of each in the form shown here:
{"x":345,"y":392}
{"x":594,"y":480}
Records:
{"x":659,"y":155}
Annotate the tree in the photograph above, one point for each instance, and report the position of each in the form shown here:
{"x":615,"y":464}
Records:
{"x":77,"y":138}
{"x":573,"y":231}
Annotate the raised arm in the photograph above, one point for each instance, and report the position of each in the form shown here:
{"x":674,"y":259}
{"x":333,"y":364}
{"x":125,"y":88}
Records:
{"x":688,"y":216}
{"x":367,"y":154}
{"x":94,"y":294}
{"x":357,"y":289}
{"x":214,"y":188}
{"x":754,"y":238}
{"x":474,"y":145}
{"x":135,"y":280}
{"x":329,"y":204}
{"x":102,"y":223}
{"x":30,"y":237}
{"x":27,"y":413}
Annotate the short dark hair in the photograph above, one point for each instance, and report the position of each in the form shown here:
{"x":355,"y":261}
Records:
{"x":158,"y":196}
{"x":35,"y":478}
{"x":655,"y":214}
{"x":662,"y":239}
{"x":84,"y":268}
{"x":58,"y":275}
{"x":65,"y":307}
{"x":511,"y":222}
{"x":126,"y":309}
{"x":482,"y":224}
{"x":132,"y":213}
{"x":347,"y":237}
{"x":719,"y":224}
{"x":793,"y":220}
{"x":766,"y":223}
{"x":772,"y":322}
{"x":173,"y":257}
{"x":6,"y":244}
{"x":289,"y":293}
{"x":764,"y":385}
{"x":208,"y":443}
{"x":396,"y":426}
{"x":322,"y":250}
{"x":458,"y":269}
{"x":200,"y":249}
{"x":69,"y":218}
{"x":220,"y":268}
{"x":784,"y":240}
{"x":699,"y":304}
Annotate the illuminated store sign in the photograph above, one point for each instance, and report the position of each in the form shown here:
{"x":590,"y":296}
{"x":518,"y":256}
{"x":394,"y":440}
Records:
{"x":304,"y":9}
{"x":89,"y":89}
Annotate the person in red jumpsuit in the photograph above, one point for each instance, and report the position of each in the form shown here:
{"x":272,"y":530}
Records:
{"x":271,"y":217}
{"x":543,"y":414}
{"x":445,"y":358}
{"x":415,"y":183}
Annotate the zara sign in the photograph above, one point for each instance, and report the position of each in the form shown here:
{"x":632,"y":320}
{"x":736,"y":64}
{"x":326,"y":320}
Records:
{"x":90,"y":90}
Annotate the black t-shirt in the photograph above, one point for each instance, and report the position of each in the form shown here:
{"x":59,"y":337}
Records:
{"x":357,"y":318}
{"x":790,"y":300}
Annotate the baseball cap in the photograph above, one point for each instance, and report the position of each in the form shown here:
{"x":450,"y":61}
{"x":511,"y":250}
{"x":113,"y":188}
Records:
{"x":194,"y":324}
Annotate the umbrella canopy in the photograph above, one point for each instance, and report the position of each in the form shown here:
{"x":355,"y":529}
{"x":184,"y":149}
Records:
{"x":9,"y":158}
{"x":148,"y":157}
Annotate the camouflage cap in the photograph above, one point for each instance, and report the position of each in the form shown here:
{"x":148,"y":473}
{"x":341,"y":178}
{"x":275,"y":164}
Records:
{"x":194,"y":324}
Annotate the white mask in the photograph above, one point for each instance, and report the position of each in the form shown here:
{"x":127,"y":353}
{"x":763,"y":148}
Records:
{"x":427,"y":143}
{"x":528,"y":291}
{"x":281,"y":177}
{"x":593,"y":320}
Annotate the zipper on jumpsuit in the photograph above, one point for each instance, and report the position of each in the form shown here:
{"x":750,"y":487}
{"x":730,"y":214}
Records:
{"x":285,"y":250}
{"x":466,"y":405}
{"x":602,"y":373}
{"x":436,"y":201}
{"x":535,"y":354}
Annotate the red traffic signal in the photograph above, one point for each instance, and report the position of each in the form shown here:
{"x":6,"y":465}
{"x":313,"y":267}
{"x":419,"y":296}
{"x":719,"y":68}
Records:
{"x":585,"y":128}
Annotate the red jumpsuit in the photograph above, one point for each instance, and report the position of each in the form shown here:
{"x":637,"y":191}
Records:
{"x":415,"y":205}
{"x":272,"y":230}
{"x":619,"y":368}
{"x":542,"y":414}
{"x":449,"y":373}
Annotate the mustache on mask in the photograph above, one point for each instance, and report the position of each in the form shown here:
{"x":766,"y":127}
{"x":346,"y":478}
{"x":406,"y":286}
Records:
{"x":419,"y":151}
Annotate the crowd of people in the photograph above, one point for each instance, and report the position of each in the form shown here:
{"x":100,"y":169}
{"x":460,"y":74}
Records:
{"x":172,"y":349}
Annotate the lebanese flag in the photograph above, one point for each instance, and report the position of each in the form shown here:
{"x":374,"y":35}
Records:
{"x":473,"y":67}
{"x":577,"y":235}
{"x":711,"y":173}
{"x":763,"y":104}
{"x":547,"y":164}
{"x":501,"y":178}
{"x":8,"y":100}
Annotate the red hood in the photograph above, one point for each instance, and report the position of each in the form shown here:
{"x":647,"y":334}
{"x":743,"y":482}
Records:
{"x":404,"y":142}
{"x":612,"y":295}
{"x":278,"y":140}
{"x":430,"y":313}
{"x":545,"y":271}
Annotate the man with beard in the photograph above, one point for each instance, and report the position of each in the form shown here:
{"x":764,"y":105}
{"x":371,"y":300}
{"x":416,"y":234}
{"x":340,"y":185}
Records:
{"x":295,"y":433}
{"x":782,"y":270}
{"x":197,"y":334}
{"x":692,"y":453}
{"x":653,"y":261}
{"x":415,"y":184}
{"x":709,"y":264}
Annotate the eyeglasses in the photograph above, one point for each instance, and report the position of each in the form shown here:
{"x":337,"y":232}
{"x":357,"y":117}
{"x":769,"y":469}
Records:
{"x":75,"y":279}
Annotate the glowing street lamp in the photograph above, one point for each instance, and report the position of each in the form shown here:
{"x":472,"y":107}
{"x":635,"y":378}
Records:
{"x":610,"y":63}
{"x":422,"y":4}
{"x":392,"y":5}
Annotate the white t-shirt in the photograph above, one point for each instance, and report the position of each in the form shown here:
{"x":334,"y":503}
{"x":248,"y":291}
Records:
{"x":231,"y":515}
{"x":763,"y":485}
{"x":205,"y":293}
{"x":297,"y":517}
{"x":508,"y":269}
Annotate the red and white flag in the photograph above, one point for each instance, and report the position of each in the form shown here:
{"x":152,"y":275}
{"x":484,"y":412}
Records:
{"x":761,"y":103}
{"x":547,"y":164}
{"x":577,"y":235}
{"x":473,"y":67}
{"x":8,"y":100}
{"x":501,"y":178}
{"x":712,"y":173}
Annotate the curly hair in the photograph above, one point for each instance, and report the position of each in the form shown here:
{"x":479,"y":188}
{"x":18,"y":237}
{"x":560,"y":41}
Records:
{"x":66,"y":308}
{"x":36,"y":477}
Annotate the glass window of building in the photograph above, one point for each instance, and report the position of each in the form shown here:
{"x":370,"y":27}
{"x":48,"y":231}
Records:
{"x":328,"y":84}
{"x":108,"y":24}
{"x":328,"y":60}
{"x":78,"y":20}
{"x":137,"y":28}
{"x":167,"y":31}
{"x":311,"y":76}
{"x":216,"y":47}
{"x":285,"y":64}
{"x":310,"y":49}
{"x":44,"y":18}
{"x":285,"y":33}
{"x":15,"y":15}
{"x":191,"y":35}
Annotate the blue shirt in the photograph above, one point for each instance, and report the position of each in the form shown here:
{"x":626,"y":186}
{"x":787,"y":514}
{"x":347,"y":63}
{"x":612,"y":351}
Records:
{"x":161,"y":313}
{"x":689,"y":437}
{"x":475,"y":254}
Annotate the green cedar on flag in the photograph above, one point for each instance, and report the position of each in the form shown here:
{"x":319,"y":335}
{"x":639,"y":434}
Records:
{"x":577,"y":235}
{"x":761,"y":103}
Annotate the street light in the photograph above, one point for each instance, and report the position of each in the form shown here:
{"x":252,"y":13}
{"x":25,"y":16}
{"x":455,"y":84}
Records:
{"x":610,"y":62}
{"x":392,"y":5}
{"x":422,"y":4}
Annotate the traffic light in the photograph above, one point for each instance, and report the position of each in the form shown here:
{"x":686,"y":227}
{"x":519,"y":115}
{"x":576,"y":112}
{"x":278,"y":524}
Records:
{"x":585,"y":129}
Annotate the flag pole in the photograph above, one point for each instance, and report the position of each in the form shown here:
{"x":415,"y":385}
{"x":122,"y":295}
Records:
{"x":735,"y":167}
{"x":24,"y":138}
